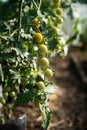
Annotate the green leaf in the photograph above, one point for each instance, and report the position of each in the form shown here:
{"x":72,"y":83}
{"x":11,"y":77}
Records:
{"x":3,"y":37}
{"x":46,"y":116}
{"x":14,"y":74}
{"x":24,"y":98}
{"x":5,"y":50}
{"x":7,"y":57}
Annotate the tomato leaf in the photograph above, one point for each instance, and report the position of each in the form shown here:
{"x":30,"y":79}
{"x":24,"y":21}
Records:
{"x":46,"y":116}
{"x":24,"y":98}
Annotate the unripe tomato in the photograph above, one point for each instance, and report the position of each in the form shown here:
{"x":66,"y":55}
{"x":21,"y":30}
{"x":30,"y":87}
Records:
{"x":57,"y":1}
{"x":44,"y":62}
{"x":35,"y":23}
{"x":59,"y":11}
{"x":48,"y":73}
{"x":5,"y":94}
{"x":55,"y":30}
{"x":40,"y":85}
{"x":38,"y":37}
{"x":13,"y":94}
{"x":42,"y":49}
{"x":2,"y":101}
{"x":59,"y":20}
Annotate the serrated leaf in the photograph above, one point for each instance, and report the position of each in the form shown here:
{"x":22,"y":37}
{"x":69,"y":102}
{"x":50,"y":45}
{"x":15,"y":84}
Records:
{"x":7,"y":57}
{"x":3,"y":37}
{"x":14,"y":75}
{"x":46,"y":116}
{"x":4,"y":50}
{"x":24,"y":98}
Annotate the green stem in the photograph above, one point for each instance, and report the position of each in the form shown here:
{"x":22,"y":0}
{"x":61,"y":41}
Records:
{"x":18,"y":30}
{"x":19,"y":18}
{"x":40,"y":4}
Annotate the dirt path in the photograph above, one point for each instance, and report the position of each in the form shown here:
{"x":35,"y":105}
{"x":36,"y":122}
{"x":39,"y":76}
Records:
{"x":70,"y":108}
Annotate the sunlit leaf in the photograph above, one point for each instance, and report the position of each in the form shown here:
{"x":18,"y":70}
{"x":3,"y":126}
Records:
{"x":46,"y":116}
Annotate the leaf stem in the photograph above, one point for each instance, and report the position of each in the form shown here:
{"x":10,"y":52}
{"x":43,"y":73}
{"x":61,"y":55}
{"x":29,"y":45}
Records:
{"x":40,"y":4}
{"x":19,"y":19}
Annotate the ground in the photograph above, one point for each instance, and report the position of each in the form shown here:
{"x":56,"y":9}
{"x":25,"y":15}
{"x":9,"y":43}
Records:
{"x":69,"y":101}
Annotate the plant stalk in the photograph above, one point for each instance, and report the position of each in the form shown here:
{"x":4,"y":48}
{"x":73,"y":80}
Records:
{"x":19,"y":19}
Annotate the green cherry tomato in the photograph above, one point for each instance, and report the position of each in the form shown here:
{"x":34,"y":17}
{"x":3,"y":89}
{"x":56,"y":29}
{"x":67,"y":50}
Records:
{"x":2,"y":101}
{"x":57,"y":1}
{"x":13,"y":94}
{"x":5,"y":94}
{"x":42,"y":49}
{"x":48,"y":73}
{"x":44,"y":62}
{"x":40,"y":85}
{"x":59,"y":11}
{"x":59,"y":20}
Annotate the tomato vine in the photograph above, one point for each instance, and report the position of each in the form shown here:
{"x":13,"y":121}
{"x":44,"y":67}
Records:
{"x":27,"y":42}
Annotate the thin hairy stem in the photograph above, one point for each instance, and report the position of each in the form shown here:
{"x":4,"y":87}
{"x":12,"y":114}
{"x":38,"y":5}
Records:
{"x":19,"y":18}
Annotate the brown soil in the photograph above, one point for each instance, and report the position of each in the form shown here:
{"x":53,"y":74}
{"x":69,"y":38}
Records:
{"x":69,"y":101}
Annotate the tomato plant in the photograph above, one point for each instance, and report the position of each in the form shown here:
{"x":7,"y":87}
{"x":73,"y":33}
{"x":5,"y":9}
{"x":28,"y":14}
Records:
{"x":30,"y":32}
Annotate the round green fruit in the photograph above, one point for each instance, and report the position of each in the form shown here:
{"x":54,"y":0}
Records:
{"x":40,"y":85}
{"x":44,"y":62}
{"x":42,"y":49}
{"x":2,"y":100}
{"x":48,"y":73}
{"x":13,"y":94}
{"x":59,"y":20}
{"x":59,"y":11}
{"x":38,"y":37}
{"x":57,"y":1}
{"x":5,"y":94}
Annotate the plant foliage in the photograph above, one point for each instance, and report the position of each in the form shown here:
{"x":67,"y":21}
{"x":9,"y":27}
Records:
{"x":24,"y":26}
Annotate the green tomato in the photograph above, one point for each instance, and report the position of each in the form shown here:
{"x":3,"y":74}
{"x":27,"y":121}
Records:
{"x":13,"y":94}
{"x":44,"y":62}
{"x":40,"y":85}
{"x":38,"y":37}
{"x":5,"y":94}
{"x":57,"y":1}
{"x":59,"y":11}
{"x":2,"y":101}
{"x":48,"y":73}
{"x":59,"y":20}
{"x":55,"y":30}
{"x":42,"y":49}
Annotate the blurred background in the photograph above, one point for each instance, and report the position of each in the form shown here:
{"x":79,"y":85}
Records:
{"x":69,"y":102}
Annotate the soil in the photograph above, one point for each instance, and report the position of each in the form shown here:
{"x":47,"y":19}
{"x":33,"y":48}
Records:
{"x":69,"y":102}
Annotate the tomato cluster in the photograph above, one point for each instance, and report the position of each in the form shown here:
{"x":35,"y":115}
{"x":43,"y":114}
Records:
{"x":43,"y":62}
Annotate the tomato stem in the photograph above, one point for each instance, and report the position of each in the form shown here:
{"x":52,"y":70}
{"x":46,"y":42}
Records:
{"x":19,"y":18}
